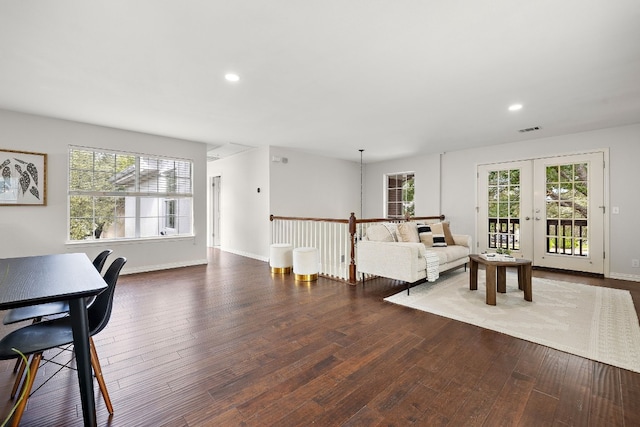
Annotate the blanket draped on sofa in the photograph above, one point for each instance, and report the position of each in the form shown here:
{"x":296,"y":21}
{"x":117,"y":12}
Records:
{"x":433,"y":266}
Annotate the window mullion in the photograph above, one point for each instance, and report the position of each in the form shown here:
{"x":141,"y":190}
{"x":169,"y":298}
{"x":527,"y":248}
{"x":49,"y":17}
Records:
{"x":138,"y":201}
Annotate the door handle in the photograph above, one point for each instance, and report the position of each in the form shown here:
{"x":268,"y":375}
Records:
{"x":527,"y":218}
{"x":537,"y":218}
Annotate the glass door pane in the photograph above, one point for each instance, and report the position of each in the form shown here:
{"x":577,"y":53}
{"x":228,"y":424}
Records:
{"x":503,"y":201}
{"x":567,"y":222}
{"x":505,"y":208}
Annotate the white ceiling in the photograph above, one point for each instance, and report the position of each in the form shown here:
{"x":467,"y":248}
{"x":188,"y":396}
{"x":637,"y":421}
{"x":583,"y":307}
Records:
{"x":395,"y":78}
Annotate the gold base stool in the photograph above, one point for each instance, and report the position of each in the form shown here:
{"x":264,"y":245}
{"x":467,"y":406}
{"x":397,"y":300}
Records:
{"x":281,"y":258}
{"x":306,"y":277}
{"x":305,"y":264}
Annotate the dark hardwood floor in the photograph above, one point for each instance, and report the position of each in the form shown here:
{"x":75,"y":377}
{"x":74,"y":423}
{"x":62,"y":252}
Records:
{"x":229,"y":344}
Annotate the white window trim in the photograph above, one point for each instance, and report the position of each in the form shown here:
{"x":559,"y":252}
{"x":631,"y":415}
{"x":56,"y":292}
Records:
{"x":137,"y":194}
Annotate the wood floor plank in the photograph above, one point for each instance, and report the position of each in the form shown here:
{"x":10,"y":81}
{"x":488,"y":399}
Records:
{"x":574,"y":399}
{"x":606,"y":399}
{"x":229,"y":344}
{"x":539,"y":411}
{"x":480,"y":401}
{"x":511,"y":401}
{"x":552,"y":372}
{"x":630,"y":390}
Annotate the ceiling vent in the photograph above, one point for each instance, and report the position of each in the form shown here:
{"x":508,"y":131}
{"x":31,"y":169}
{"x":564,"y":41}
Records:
{"x":535,"y":128}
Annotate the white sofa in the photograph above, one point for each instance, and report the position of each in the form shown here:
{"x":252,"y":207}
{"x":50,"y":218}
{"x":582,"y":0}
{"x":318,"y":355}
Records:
{"x":380,"y":254}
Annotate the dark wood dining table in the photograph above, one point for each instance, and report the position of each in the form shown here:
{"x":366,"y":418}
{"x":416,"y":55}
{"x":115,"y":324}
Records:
{"x":64,"y":277}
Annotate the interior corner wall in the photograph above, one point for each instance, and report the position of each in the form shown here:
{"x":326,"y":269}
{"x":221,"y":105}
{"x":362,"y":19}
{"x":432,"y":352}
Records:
{"x":39,"y":230}
{"x":427,"y":184}
{"x":459,"y":170}
{"x":303,"y":185}
{"x":312,"y":186}
{"x":244,"y":212}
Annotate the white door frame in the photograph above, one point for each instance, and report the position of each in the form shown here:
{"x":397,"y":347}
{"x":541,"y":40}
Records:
{"x":594,"y":261}
{"x":525,"y":203}
{"x":215,"y":188}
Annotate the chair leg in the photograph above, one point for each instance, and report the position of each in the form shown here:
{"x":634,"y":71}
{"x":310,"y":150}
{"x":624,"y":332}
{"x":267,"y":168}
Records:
{"x":18,"y":364}
{"x":19,"y":375}
{"x":95,"y":363}
{"x":26,"y":389}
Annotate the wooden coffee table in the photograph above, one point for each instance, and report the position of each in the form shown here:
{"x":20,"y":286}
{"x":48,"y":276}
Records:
{"x":496,"y":272}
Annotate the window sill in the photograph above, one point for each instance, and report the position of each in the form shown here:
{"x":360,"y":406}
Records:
{"x":131,"y":241}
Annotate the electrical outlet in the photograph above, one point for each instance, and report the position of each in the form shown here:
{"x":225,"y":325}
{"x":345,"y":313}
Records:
{"x":635,"y":263}
{"x":341,"y":258}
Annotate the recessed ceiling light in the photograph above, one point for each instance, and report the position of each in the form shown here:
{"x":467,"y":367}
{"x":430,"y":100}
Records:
{"x":515,"y":107}
{"x":232,"y":77}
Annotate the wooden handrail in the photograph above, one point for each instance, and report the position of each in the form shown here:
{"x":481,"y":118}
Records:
{"x":413,"y":218}
{"x":352,"y":218}
{"x":296,"y":218}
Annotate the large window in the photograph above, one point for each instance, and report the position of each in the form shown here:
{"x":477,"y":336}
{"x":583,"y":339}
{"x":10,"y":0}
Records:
{"x":400,"y":190}
{"x":115,"y":195}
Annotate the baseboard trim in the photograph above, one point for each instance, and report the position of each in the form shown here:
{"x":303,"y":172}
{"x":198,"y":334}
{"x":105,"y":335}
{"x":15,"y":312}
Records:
{"x":623,"y":276}
{"x":148,"y":268}
{"x":245,"y":254}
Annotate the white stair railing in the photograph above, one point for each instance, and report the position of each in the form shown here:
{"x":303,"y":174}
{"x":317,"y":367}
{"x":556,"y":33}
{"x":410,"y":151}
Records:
{"x":335,"y":239}
{"x":330,"y":236}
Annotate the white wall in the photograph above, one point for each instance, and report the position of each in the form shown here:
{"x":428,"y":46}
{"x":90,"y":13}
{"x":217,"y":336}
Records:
{"x":427,"y":181}
{"x":458,"y":175}
{"x":304,"y":186}
{"x":38,"y":230}
{"x":459,"y":191}
{"x":313,"y":186}
{"x":244,"y":212}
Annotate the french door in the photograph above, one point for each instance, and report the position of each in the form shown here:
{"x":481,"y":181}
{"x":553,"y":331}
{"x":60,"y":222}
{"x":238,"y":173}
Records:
{"x":549,"y":210}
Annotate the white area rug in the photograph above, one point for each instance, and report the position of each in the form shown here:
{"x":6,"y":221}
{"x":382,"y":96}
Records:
{"x":593,"y":322}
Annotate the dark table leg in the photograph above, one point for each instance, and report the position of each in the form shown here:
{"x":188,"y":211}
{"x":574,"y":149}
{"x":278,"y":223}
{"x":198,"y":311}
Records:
{"x":490,"y":270}
{"x":526,"y":282}
{"x":520,"y":276}
{"x":80,"y":326}
{"x":473,"y":275}
{"x":502,"y":279}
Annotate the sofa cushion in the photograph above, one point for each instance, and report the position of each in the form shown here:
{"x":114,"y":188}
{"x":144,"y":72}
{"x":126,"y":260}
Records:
{"x":438,"y":235}
{"x":408,"y":232}
{"x":425,"y":235}
{"x":383,"y":232}
{"x":450,"y":253}
{"x":448,"y":237}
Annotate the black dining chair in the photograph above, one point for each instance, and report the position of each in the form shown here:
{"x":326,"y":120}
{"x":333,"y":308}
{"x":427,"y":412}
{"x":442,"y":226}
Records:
{"x":37,"y":312}
{"x":36,"y":338}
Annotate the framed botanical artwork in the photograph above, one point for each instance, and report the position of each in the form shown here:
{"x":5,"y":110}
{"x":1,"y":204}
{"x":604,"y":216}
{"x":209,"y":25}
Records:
{"x":23,"y":178}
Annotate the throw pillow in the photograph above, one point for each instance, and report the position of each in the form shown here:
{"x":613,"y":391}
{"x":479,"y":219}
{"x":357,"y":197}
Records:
{"x":448,"y":237}
{"x":408,"y":232}
{"x":425,"y":235}
{"x":438,"y":235}
{"x":380,"y":233}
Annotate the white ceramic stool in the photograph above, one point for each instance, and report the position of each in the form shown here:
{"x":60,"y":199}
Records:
{"x":305,"y":264}
{"x":281,"y":258}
